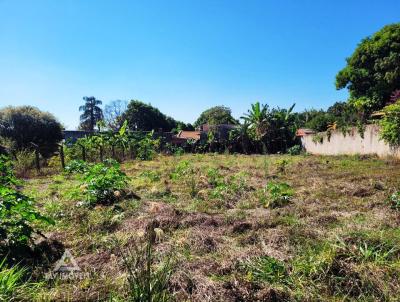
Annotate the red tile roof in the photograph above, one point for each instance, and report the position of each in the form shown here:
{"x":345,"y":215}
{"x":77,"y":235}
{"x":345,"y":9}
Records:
{"x":304,"y":132}
{"x":189,"y":135}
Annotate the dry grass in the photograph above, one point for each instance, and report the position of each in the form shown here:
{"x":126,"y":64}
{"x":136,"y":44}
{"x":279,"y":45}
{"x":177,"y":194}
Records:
{"x":336,"y":240}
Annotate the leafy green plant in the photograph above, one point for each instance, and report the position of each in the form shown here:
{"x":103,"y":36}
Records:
{"x":214,"y":177}
{"x":276,"y":194}
{"x":394,"y":200}
{"x":102,"y":184}
{"x":181,"y":170}
{"x":147,"y":147}
{"x":295,"y":150}
{"x":17,"y":212}
{"x":281,"y":165}
{"x":7,"y":177}
{"x":76,"y":166}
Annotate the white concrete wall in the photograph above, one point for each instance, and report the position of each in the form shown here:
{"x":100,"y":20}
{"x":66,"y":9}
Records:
{"x":350,"y":144}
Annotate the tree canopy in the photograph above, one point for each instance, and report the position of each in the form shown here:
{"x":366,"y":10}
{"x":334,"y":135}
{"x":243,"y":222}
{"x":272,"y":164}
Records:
{"x":26,"y":124}
{"x":144,"y":117}
{"x":215,"y":116}
{"x":373,"y":70}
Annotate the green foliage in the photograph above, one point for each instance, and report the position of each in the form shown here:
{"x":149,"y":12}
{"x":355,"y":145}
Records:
{"x":394,"y":200}
{"x":13,"y":284}
{"x":17,"y":212}
{"x":101,"y":184}
{"x":390,"y":124}
{"x":215,"y":116}
{"x":214,"y":177}
{"x":276,"y":194}
{"x":372,"y":70}
{"x":7,"y":177}
{"x":266,"y":269}
{"x":76,"y":166}
{"x":147,"y":278}
{"x":281,"y":165}
{"x":181,"y":170}
{"x":295,"y":150}
{"x":187,"y":173}
{"x":25,"y":124}
{"x":147,"y":147}
{"x":144,"y":117}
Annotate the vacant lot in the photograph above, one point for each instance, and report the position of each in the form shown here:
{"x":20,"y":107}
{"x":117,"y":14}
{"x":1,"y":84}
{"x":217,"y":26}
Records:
{"x":236,"y":228}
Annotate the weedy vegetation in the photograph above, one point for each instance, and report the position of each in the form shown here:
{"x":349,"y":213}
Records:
{"x":206,"y":227}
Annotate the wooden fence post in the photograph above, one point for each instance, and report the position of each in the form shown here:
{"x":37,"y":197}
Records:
{"x":62,"y":156}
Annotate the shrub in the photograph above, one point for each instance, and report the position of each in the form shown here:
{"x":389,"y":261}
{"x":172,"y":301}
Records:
{"x":24,"y":162}
{"x":76,"y":166}
{"x":295,"y":150}
{"x":27,"y":124}
{"x":147,"y":147}
{"x":102,"y":184}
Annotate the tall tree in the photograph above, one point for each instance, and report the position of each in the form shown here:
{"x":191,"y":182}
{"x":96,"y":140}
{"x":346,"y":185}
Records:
{"x":216,"y":116}
{"x":373,"y":70}
{"x":92,"y":113}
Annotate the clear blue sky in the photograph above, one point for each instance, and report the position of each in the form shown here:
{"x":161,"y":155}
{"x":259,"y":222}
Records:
{"x":180,"y":56}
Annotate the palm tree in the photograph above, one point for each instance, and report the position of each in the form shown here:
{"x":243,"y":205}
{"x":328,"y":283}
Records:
{"x":257,"y":118}
{"x":92,"y":113}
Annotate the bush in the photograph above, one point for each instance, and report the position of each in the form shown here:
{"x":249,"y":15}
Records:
{"x":102,"y":184}
{"x":147,"y":147}
{"x":76,"y":166}
{"x":24,"y":162}
{"x":295,"y":150}
{"x":27,"y":124}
